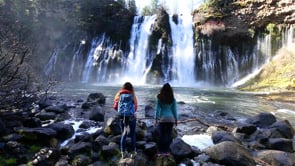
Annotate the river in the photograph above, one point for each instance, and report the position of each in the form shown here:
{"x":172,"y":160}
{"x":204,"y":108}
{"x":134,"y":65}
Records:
{"x":209,"y":100}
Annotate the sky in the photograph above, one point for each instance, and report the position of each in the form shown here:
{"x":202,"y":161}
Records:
{"x":174,"y":6}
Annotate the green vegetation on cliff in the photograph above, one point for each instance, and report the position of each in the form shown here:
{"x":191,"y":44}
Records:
{"x":276,"y":77}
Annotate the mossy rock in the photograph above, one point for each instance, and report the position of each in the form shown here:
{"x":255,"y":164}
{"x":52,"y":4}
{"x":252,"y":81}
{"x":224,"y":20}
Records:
{"x":165,"y":161}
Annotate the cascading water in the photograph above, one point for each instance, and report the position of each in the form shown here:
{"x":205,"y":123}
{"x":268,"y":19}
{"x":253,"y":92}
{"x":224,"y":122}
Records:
{"x":89,"y":63}
{"x":225,"y":65}
{"x":139,"y":60}
{"x":183,"y":49}
{"x":102,"y":55}
{"x":50,"y":66}
{"x":181,"y":63}
{"x":76,"y":60}
{"x":264,"y":48}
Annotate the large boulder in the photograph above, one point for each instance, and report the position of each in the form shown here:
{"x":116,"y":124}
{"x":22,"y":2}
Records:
{"x":97,"y":114}
{"x":285,"y":128}
{"x":230,"y":154}
{"x":282,"y":144}
{"x":37,"y":133}
{"x":262,"y":120}
{"x":276,"y":158}
{"x":80,"y":148}
{"x":112,"y":126}
{"x":97,"y":98}
{"x":180,"y":149}
{"x":63,"y":131}
{"x":221,"y":136}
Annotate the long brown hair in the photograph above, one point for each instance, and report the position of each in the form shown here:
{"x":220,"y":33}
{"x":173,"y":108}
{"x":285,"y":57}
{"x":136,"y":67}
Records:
{"x":128,"y":86}
{"x":166,"y":95}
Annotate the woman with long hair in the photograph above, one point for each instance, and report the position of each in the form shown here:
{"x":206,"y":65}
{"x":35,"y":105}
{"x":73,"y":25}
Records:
{"x":166,"y":116}
{"x":127,"y":119}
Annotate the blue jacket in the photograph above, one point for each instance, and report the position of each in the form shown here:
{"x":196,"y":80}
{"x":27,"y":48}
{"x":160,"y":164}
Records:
{"x":166,"y":112}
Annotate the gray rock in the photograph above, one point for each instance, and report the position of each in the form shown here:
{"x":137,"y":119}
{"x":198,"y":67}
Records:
{"x":64,"y":131}
{"x":97,"y":98}
{"x":230,"y":154}
{"x":262,"y":120}
{"x":284,"y":127}
{"x":180,"y":149}
{"x":56,"y":109}
{"x":280,"y":144}
{"x":97,"y":114}
{"x":276,"y":158}
{"x":110,"y":150}
{"x":81,"y":160}
{"x":150,"y":148}
{"x":245,"y":129}
{"x":80,"y":148}
{"x":221,"y":136}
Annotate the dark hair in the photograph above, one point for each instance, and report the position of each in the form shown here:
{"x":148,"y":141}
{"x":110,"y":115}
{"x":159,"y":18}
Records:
{"x":128,"y":86}
{"x":166,"y":94}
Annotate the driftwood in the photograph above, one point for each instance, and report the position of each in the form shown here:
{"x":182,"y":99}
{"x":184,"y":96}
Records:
{"x":261,"y":162}
{"x":222,"y":127}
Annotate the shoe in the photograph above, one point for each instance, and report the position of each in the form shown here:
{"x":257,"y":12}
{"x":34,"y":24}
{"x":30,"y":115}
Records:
{"x":133,"y":154}
{"x":124,"y":154}
{"x":163,"y":154}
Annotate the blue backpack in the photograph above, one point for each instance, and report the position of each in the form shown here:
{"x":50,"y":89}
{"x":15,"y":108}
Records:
{"x":126,"y":105}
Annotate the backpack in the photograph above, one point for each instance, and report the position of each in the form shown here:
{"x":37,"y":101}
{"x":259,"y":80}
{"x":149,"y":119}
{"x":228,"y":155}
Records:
{"x":126,"y":105}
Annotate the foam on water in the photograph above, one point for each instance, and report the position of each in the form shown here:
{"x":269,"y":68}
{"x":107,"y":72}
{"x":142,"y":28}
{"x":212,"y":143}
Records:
{"x":201,"y":141}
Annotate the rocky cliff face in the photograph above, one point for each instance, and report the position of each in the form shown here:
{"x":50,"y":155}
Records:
{"x":236,"y":19}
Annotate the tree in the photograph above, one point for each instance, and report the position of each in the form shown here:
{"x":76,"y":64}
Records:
{"x":132,"y":6}
{"x":154,"y":6}
{"x":15,"y":75}
{"x":152,"y":9}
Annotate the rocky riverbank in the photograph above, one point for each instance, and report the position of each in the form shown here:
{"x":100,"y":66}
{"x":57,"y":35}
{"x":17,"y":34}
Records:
{"x":44,"y":136}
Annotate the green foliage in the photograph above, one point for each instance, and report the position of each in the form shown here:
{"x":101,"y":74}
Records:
{"x":209,"y":4}
{"x":146,"y":11}
{"x":150,"y":10}
{"x":132,"y":6}
{"x":34,"y":149}
{"x":11,"y":161}
{"x":251,"y":32}
{"x":271,"y":28}
{"x":216,"y":8}
{"x":8,"y":162}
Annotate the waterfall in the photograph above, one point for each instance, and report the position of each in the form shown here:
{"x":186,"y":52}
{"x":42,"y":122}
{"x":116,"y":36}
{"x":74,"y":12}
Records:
{"x":181,"y":63}
{"x":50,"y":66}
{"x":103,"y":60}
{"x":183,"y":49}
{"x":76,"y":59}
{"x":89,"y":63}
{"x":263,"y":49}
{"x":223,"y":65}
{"x":139,"y":60}
{"x":288,"y":36}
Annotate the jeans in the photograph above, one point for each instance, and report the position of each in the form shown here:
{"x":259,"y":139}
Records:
{"x":125,"y":123}
{"x":165,"y":137}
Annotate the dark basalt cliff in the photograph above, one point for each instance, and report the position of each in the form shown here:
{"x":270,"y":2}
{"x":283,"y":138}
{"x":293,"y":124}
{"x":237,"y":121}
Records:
{"x":233,"y":20}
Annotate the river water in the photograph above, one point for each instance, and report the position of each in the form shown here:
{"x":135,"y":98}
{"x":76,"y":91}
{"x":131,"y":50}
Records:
{"x":209,"y":100}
